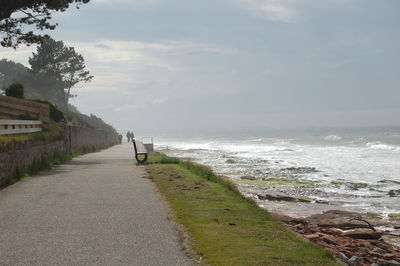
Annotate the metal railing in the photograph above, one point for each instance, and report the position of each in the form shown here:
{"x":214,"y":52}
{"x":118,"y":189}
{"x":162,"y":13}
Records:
{"x":19,"y":126}
{"x":148,"y":143}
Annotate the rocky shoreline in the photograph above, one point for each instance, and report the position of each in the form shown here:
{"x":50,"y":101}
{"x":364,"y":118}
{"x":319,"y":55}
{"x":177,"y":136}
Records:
{"x":354,"y":238}
{"x":330,"y":215}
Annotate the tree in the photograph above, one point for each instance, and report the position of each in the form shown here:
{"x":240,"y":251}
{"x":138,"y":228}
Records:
{"x":54,"y":59}
{"x":2,"y":79}
{"x":15,"y":14}
{"x":12,"y":72}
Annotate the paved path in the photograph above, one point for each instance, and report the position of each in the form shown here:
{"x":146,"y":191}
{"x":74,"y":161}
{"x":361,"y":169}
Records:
{"x":95,"y":210}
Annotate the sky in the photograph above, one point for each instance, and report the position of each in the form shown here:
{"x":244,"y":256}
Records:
{"x":234,"y":64}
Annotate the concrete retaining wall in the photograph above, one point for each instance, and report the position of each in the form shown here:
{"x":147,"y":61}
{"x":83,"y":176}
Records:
{"x":19,"y":158}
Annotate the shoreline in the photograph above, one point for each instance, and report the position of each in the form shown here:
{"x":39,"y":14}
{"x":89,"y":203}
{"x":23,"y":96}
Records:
{"x":323,"y":224}
{"x":224,"y":227}
{"x":349,"y":236}
{"x":355,"y":238}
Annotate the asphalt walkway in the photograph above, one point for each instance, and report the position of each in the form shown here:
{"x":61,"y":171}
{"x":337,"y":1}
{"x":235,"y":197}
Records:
{"x":95,"y":210}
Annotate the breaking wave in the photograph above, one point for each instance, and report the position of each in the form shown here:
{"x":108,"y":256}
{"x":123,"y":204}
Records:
{"x":377,"y":145}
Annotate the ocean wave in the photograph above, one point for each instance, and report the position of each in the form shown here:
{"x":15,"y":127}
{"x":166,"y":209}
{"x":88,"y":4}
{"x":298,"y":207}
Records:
{"x":256,"y":140}
{"x":377,"y":145}
{"x":333,"y":137}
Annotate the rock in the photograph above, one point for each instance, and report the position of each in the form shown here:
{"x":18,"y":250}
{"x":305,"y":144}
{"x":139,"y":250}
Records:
{"x":363,"y":234}
{"x":379,"y":251}
{"x":343,"y":226}
{"x":334,"y":240}
{"x":393,"y":262}
{"x":388,"y":256}
{"x":301,"y":170}
{"x":394,"y":193}
{"x":247,"y":177}
{"x":354,"y":260}
{"x":290,"y":220}
{"x":312,"y":236}
{"x":375,"y":264}
{"x":342,"y":256}
{"x":230,"y":161}
{"x":332,"y":231}
{"x":276,"y":197}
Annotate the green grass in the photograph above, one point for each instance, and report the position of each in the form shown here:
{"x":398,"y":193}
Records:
{"x":394,"y":215}
{"x":52,"y":130}
{"x":225,"y":228}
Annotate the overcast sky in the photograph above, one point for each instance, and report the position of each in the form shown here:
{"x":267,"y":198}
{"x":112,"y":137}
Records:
{"x":187,"y":64}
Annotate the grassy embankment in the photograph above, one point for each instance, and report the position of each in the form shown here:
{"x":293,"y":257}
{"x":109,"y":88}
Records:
{"x":224,"y":227}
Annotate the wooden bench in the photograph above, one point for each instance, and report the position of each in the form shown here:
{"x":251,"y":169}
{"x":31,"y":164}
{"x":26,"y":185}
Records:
{"x":140,"y":150}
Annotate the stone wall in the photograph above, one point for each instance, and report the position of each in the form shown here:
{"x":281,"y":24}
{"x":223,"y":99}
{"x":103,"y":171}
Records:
{"x":23,"y":157}
{"x":19,"y":158}
{"x":89,"y":139}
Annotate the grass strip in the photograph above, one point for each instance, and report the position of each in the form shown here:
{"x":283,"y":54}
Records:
{"x":52,"y":131}
{"x":224,"y":227}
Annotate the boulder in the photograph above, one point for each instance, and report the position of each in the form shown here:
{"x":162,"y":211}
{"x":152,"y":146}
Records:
{"x":312,"y":236}
{"x":342,"y":256}
{"x":247,"y":177}
{"x":364,"y":234}
{"x":276,"y":197}
{"x":354,"y":260}
{"x":394,"y":193}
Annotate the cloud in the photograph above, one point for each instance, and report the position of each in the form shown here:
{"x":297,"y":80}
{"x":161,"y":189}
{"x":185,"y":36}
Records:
{"x":21,"y":55}
{"x":160,"y":100}
{"x":273,"y":10}
{"x":101,"y":45}
{"x":124,"y":2}
{"x":128,"y":107}
{"x":341,"y":63}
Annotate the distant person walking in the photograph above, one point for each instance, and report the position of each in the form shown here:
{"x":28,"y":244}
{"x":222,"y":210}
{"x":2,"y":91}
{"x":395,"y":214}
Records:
{"x":128,"y":136}
{"x":132,"y":136}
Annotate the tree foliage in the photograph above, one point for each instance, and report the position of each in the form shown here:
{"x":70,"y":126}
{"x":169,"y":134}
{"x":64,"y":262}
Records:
{"x":11,"y":72}
{"x":36,"y":86}
{"x":63,"y":64}
{"x":16,"y":14}
{"x":55,"y":114}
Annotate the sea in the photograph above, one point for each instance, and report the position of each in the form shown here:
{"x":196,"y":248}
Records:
{"x":354,"y":169}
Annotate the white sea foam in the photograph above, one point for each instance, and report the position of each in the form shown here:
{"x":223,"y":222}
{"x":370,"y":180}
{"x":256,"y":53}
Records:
{"x":333,"y":137}
{"x":358,"y":161}
{"x":377,"y":145}
{"x":256,"y":140}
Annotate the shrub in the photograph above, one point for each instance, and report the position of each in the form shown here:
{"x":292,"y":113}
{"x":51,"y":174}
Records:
{"x":15,"y":90}
{"x":55,"y":114}
{"x":26,"y":117}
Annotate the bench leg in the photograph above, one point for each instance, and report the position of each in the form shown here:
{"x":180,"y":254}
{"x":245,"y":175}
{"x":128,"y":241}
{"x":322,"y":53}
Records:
{"x":141,"y":161}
